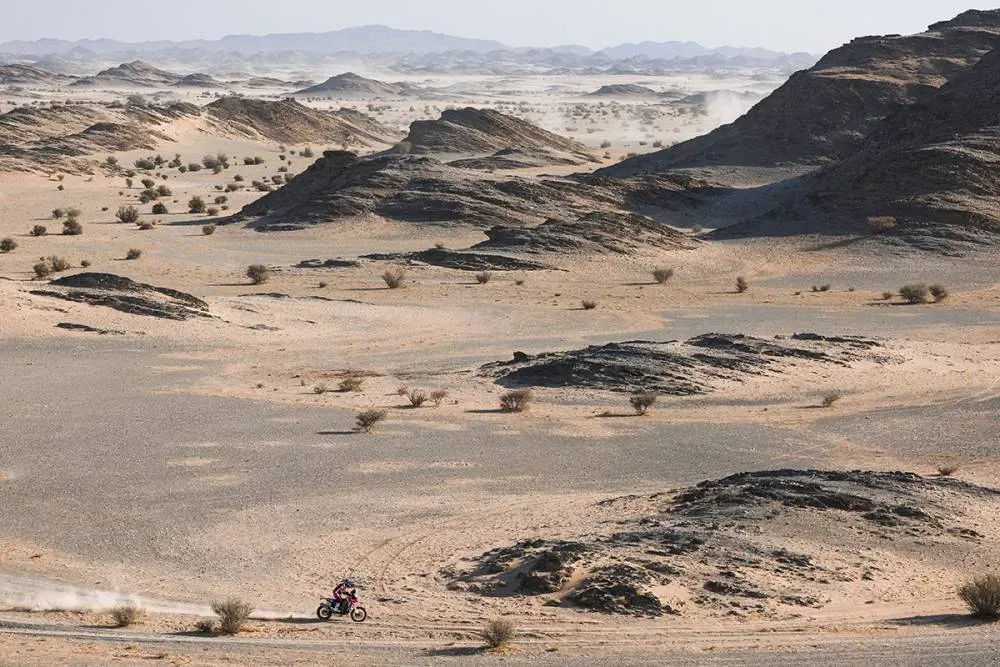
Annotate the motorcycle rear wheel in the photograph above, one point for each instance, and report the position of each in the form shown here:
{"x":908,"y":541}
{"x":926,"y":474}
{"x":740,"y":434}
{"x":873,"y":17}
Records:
{"x":324,"y":612}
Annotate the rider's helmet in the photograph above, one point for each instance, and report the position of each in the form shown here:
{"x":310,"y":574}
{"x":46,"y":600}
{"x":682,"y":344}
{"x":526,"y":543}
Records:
{"x":349,"y":582}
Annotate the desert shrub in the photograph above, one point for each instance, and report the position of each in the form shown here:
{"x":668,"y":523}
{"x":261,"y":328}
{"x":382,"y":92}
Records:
{"x":887,"y":296}
{"x":516,"y":400}
{"x":939,"y":292}
{"x":210,"y":162}
{"x":642,"y":401}
{"x":417,"y":397}
{"x":367,"y":419}
{"x":662,"y":275}
{"x":145,"y":164}
{"x":147,"y":182}
{"x":85,"y":263}
{"x":133,"y":253}
{"x":394,"y":278}
{"x":211,"y":211}
{"x":914,"y":293}
{"x":8,"y":244}
{"x":438,"y":396}
{"x":821,"y":288}
{"x":323,"y":284}
{"x":208,"y":230}
{"x":72,"y":227}
{"x":519,"y":282}
{"x":147,"y":196}
{"x":196,"y":205}
{"x":982,"y":596}
{"x":58,"y":263}
{"x":233,"y":615}
{"x":42,"y":270}
{"x":306,"y":152}
{"x":125,"y":615}
{"x":248,"y":161}
{"x":320,"y":389}
{"x":351,"y":383}
{"x":588,"y":304}
{"x":742,"y":285}
{"x":205,"y":625}
{"x":830,"y":399}
{"x":484,"y":277}
{"x":58,"y":213}
{"x":73,"y":213}
{"x":221,"y":199}
{"x":160,"y":208}
{"x":498,"y":633}
{"x":164,"y":191}
{"x":947,"y":469}
{"x":882,"y":223}
{"x":238,"y":178}
{"x":605,"y":144}
{"x":127,"y":214}
{"x":258,"y":273}
{"x":146,"y":225}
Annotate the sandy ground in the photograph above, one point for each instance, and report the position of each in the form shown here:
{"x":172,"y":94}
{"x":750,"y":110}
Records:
{"x":182,"y":462}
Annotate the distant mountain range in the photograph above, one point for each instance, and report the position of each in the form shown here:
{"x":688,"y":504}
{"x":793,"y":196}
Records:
{"x":381,"y":42}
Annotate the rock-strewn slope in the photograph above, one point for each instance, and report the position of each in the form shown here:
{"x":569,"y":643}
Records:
{"x":755,"y":544}
{"x":824,"y":114}
{"x":291,"y":122}
{"x":696,"y":366}
{"x":125,"y":295}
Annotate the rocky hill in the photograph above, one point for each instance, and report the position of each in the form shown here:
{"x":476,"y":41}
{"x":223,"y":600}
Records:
{"x":418,"y":189}
{"x":349,"y":85}
{"x":471,"y":131}
{"x":624,"y":90}
{"x":824,"y":114}
{"x":198,"y":81}
{"x":136,"y":74}
{"x":290,"y":122}
{"x":27,"y":74}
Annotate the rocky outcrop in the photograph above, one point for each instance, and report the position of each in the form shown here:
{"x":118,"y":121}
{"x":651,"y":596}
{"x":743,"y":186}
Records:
{"x":620,"y":90}
{"x":462,"y":260}
{"x":622,"y":233}
{"x":678,"y":368}
{"x":824,"y":114}
{"x":125,"y":295}
{"x":471,"y":131}
{"x":749,"y":544}
{"x":349,"y":85}
{"x":136,"y":74}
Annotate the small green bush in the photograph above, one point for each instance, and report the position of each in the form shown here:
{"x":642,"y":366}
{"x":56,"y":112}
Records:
{"x":160,"y":208}
{"x":196,"y":205}
{"x":915,"y":294}
{"x":233,"y":615}
{"x":208,"y":230}
{"x":258,"y":273}
{"x":8,"y":245}
{"x":72,"y":227}
{"x":367,"y":420}
{"x":38,"y":230}
{"x":127,"y":214}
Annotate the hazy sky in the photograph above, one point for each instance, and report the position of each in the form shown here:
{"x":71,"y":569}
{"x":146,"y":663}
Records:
{"x":788,"y":25}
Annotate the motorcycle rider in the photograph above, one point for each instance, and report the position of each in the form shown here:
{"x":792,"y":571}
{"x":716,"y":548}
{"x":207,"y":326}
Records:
{"x":342,"y":593}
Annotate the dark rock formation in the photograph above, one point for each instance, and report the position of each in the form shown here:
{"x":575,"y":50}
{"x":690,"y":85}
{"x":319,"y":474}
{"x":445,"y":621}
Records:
{"x":125,"y":295}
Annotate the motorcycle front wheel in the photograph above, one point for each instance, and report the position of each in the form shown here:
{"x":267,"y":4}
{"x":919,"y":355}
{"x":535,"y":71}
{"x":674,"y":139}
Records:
{"x":324,"y":612}
{"x":358,"y":614}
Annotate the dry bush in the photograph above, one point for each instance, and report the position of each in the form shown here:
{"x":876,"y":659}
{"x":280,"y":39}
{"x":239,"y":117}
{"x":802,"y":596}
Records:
{"x":516,"y":400}
{"x":662,"y":275}
{"x":42,"y":270}
{"x":320,"y":389}
{"x":85,"y":263}
{"x":208,"y":230}
{"x":939,"y":292}
{"x":947,"y":469}
{"x":125,"y":615}
{"x":196,"y":205}
{"x":888,"y":296}
{"x":58,"y":213}
{"x":146,"y":225}
{"x":822,"y":288}
{"x":258,"y":273}
{"x":394,"y":278}
{"x":417,"y":397}
{"x":351,"y":383}
{"x":8,"y":244}
{"x":205,"y":625}
{"x":160,"y":208}
{"x":830,"y":399}
{"x":742,"y":285}
{"x":915,"y":294}
{"x":127,"y":214}
{"x":982,"y":595}
{"x":233,"y":615}
{"x":133,"y":253}
{"x":38,"y":230}
{"x":498,"y":633}
{"x":438,"y":396}
{"x":642,"y":401}
{"x":366,"y":420}
{"x":58,"y":263}
{"x":484,"y":277}
{"x":212,"y":211}
{"x":588,"y":304}
{"x":881,"y":224}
